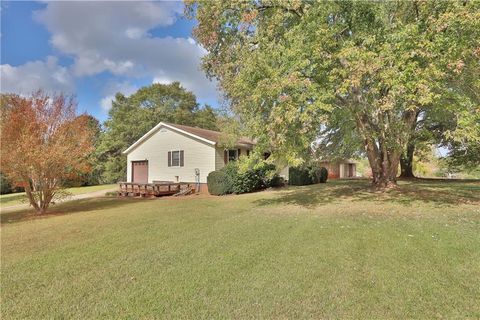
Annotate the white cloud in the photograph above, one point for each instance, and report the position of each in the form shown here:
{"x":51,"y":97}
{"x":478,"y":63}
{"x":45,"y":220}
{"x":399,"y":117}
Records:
{"x":106,"y":103}
{"x":134,"y":33}
{"x":161,"y":80}
{"x":32,"y":76}
{"x":111,"y":89}
{"x":114,"y":37}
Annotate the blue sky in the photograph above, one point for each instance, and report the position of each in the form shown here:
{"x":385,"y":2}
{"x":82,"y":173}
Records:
{"x":95,"y":49}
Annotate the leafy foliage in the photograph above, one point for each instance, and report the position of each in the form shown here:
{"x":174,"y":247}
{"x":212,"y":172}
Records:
{"x":465,"y":147}
{"x":219,"y":183}
{"x":44,"y":144}
{"x":323,"y":175}
{"x":305,"y":175}
{"x":243,"y":176}
{"x":6,"y":187}
{"x":94,"y":176}
{"x":294,"y":68}
{"x":299,"y":176}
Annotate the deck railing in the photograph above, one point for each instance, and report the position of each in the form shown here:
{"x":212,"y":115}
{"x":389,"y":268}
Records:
{"x":152,"y":189}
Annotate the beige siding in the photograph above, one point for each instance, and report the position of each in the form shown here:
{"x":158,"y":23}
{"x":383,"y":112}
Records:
{"x":219,"y":164}
{"x":342,"y":170}
{"x":197,"y":154}
{"x":284,"y":173}
{"x":333,"y":169}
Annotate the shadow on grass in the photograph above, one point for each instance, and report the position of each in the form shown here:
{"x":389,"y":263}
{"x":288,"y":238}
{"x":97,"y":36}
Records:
{"x":71,"y":207}
{"x":440,"y":193}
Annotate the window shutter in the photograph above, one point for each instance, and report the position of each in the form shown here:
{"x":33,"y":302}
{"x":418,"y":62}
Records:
{"x":225,"y":156}
{"x":169,"y":158}
{"x":181,"y":158}
{"x":238,"y":154}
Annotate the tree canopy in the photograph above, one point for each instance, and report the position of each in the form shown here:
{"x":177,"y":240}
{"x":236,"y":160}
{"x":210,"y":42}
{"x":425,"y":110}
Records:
{"x":133,"y":116}
{"x":292,"y":68}
{"x":44,"y":144}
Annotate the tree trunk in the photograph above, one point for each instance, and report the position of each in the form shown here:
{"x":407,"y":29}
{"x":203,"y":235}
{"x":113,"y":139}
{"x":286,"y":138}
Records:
{"x":406,"y":162}
{"x":406,"y":159}
{"x":384,"y":165}
{"x":384,"y":176}
{"x":44,"y":196}
{"x":31,"y":199}
{"x":382,"y":144}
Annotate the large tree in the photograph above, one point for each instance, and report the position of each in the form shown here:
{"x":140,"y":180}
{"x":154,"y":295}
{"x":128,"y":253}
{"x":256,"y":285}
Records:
{"x":44,"y":144}
{"x":289,"y":67}
{"x":133,"y":116}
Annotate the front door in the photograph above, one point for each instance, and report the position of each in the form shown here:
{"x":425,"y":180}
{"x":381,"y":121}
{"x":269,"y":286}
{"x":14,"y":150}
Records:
{"x":140,"y":171}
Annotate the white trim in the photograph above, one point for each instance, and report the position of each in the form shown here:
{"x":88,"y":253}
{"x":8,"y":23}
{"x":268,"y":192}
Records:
{"x":157,"y":127}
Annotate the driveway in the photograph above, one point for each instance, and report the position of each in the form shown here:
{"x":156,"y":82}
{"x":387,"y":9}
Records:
{"x":94,"y":194}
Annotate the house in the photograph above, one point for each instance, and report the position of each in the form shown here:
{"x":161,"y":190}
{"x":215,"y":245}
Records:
{"x":340,"y":169}
{"x":178,"y":153}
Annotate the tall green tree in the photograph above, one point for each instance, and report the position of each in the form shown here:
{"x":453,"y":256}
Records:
{"x":464,"y":148}
{"x":289,"y":66}
{"x":133,"y":116}
{"x":94,"y":176}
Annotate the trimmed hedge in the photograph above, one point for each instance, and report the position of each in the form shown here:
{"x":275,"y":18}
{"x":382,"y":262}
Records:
{"x":230,"y":180}
{"x":277,"y":182}
{"x":323,"y":175}
{"x":248,"y":182}
{"x":302,"y":176}
{"x":219,"y":183}
{"x":299,"y":176}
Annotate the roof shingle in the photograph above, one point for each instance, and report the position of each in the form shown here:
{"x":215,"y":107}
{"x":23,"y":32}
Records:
{"x":211,"y":135}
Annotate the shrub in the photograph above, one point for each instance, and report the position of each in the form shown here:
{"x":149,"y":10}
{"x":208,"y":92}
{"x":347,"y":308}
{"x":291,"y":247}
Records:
{"x":254,"y":179}
{"x":277,"y":181}
{"x":323,"y":175}
{"x":314,"y":173}
{"x":243,"y":176}
{"x":299,"y":176}
{"x":7,"y":187}
{"x":248,"y":181}
{"x":220,"y":182}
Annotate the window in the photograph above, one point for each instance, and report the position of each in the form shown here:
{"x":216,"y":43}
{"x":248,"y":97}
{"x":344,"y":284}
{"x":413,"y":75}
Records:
{"x":232,"y":155}
{"x":175,"y":158}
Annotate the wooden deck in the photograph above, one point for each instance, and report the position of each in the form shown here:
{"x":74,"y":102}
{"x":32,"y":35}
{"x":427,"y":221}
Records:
{"x":130,"y":189}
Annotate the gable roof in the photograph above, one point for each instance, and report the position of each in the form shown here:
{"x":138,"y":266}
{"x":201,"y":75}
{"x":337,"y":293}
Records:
{"x":209,"y":136}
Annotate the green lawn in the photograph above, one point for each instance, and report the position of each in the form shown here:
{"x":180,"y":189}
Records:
{"x":335,"y":250}
{"x":12,"y":199}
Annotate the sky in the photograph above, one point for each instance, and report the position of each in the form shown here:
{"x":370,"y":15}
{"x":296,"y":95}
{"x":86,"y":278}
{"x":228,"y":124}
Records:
{"x":95,"y":49}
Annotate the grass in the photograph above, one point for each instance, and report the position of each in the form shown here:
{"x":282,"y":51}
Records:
{"x":336,"y":250}
{"x":12,"y":199}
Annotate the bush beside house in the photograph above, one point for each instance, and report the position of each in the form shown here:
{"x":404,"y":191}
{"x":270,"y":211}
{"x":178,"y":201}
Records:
{"x":299,"y":176}
{"x":243,"y":177}
{"x":302,"y":176}
{"x":220,"y":182}
{"x":323,"y":175}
